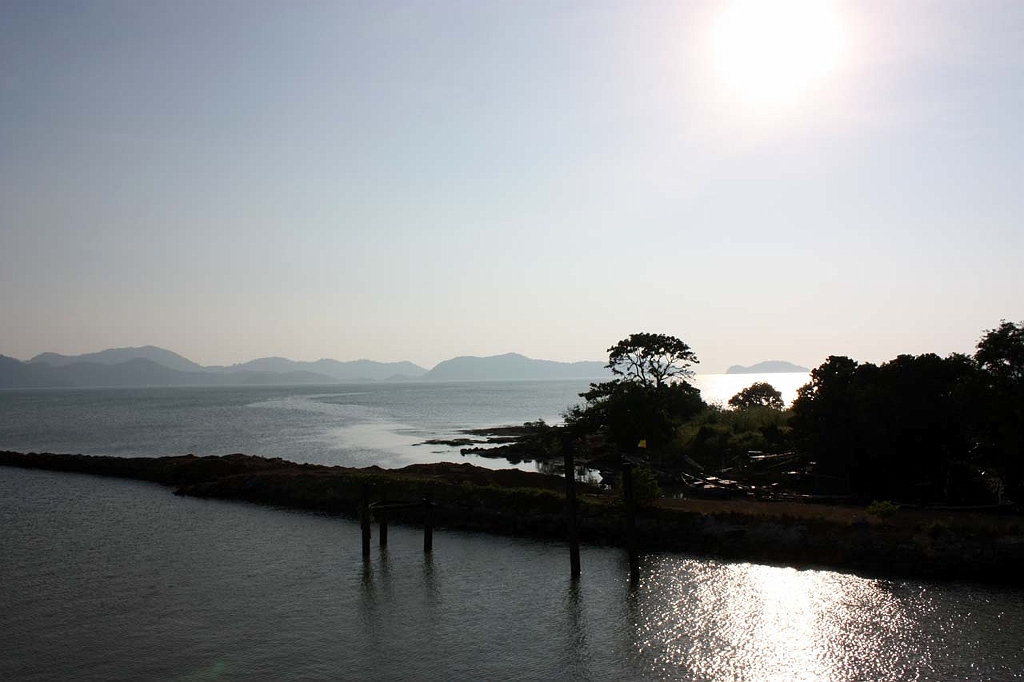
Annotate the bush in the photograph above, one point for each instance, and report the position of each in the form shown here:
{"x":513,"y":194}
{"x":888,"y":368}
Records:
{"x":883,"y":510}
{"x":645,"y":487}
{"x":716,"y":438}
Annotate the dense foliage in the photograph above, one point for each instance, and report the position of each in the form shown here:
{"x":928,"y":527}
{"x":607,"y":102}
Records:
{"x":900,"y":430}
{"x":649,"y":400}
{"x":758,"y":394}
{"x":718,"y":439}
{"x":626,"y":412}
{"x":916,"y":429}
{"x":920,"y":428}
{"x":651,"y":360}
{"x":999,"y":405}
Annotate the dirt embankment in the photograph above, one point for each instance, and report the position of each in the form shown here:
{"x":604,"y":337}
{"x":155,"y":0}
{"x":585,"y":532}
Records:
{"x":911,"y":544}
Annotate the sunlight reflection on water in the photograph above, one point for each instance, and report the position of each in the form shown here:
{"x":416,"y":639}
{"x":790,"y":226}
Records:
{"x":755,"y":622}
{"x":352,"y":434}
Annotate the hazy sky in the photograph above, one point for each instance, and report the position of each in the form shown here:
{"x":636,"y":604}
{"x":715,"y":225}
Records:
{"x":419,"y":180}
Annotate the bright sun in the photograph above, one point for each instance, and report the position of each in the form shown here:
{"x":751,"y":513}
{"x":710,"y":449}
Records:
{"x":775,"y":53}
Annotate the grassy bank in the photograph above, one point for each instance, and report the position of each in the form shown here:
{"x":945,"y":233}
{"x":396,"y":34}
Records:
{"x":911,"y":543}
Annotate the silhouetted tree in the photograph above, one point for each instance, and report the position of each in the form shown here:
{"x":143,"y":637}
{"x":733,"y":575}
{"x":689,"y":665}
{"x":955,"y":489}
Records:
{"x":897,"y":431}
{"x":651,"y":360}
{"x":644,"y":404}
{"x":626,"y":412}
{"x":920,"y":427}
{"x":825,"y":417}
{"x":999,"y":404}
{"x":1000,"y":353}
{"x":758,"y":394}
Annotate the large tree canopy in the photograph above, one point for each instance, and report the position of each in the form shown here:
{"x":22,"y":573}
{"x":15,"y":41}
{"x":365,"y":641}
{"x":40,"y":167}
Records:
{"x":999,"y":404}
{"x":626,"y":412}
{"x":643,"y":403}
{"x":651,"y":360}
{"x":1001,"y":352}
{"x":898,"y":431}
{"x":758,"y":394}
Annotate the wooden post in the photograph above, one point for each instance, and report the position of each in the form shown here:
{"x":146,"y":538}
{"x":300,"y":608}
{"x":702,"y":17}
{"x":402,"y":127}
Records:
{"x":570,"y":508}
{"x":428,"y":525}
{"x":383,"y":519}
{"x":364,"y":520}
{"x":627,"y":494}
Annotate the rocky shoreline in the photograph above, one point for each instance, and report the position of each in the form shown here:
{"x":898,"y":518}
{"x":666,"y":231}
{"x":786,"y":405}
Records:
{"x":513,"y":502}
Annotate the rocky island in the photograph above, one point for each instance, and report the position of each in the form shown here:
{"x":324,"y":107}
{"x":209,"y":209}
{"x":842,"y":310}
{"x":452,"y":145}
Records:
{"x":768,"y":367}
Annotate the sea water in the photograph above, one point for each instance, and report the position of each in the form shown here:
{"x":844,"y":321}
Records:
{"x":104,"y":579}
{"x":386,"y":424}
{"x":108,"y":579}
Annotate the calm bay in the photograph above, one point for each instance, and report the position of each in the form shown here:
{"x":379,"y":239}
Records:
{"x":118,"y":580}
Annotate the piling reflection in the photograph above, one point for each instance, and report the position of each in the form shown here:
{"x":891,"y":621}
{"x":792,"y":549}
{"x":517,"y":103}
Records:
{"x":385,"y":584}
{"x":577,"y":645}
{"x":368,"y":606}
{"x":705,"y":621}
{"x":429,"y":581}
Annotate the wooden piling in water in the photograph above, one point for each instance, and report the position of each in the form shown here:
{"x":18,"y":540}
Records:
{"x":381,"y":508}
{"x":428,"y":525}
{"x":630,"y":503}
{"x":364,"y":520}
{"x":382,"y":518}
{"x":570,"y":508}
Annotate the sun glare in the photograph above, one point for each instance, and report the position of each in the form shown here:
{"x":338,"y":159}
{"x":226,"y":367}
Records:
{"x":776,"y":53}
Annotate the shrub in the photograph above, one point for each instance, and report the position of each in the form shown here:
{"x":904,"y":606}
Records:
{"x":883,"y":510}
{"x":645,"y":487}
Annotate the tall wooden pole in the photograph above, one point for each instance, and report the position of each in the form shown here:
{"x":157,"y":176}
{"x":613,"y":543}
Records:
{"x":630,"y":503}
{"x":428,"y":524}
{"x":570,"y":507}
{"x":364,"y":520}
{"x":383,"y":518}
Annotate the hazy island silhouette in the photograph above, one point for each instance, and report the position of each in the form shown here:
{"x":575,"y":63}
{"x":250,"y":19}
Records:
{"x":155,"y":366}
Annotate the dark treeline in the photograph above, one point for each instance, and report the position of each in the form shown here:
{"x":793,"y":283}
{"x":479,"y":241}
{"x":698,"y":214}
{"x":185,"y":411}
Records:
{"x":918,"y":429}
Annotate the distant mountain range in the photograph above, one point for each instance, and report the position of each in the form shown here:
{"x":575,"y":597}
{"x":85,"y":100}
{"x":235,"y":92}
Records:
{"x":136,"y":372}
{"x":513,"y":366}
{"x":153,"y":366}
{"x":333,"y":370}
{"x":767,"y":367}
{"x":114,"y":356}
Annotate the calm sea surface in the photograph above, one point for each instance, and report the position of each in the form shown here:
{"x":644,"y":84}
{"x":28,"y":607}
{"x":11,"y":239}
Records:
{"x":349,"y":424}
{"x":119,"y":580}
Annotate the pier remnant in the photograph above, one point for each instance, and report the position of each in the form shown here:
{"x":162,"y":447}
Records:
{"x":570,"y":506}
{"x":428,"y":525}
{"x":382,"y":519}
{"x":368,"y":509}
{"x":630,"y":503}
{"x":364,"y":519}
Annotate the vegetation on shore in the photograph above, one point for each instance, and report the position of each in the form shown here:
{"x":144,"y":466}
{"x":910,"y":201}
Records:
{"x":917,"y":430}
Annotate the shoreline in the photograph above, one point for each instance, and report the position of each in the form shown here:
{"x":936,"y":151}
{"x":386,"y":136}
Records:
{"x":916,"y":544}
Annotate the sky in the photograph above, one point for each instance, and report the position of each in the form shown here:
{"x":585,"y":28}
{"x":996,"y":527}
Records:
{"x":421,"y":180}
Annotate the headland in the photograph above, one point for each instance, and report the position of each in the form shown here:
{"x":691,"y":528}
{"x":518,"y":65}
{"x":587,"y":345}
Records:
{"x":930,"y":544}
